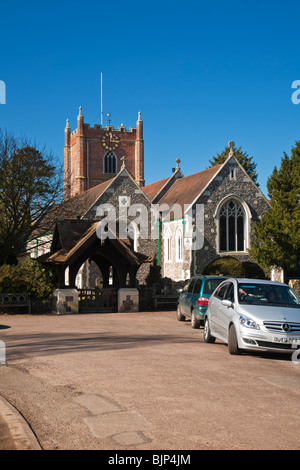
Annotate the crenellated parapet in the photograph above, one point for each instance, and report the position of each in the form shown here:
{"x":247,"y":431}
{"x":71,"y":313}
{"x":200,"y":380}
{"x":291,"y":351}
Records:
{"x":93,"y":154}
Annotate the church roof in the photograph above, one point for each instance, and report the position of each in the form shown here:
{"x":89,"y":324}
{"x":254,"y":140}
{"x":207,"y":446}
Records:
{"x":72,"y":208}
{"x":91,"y":195}
{"x":176,"y":189}
{"x":186,"y":190}
{"x":155,"y":191}
{"x":151,"y":190}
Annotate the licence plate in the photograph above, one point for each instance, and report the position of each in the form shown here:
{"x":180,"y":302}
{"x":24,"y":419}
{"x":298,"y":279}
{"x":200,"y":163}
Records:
{"x":281,"y":339}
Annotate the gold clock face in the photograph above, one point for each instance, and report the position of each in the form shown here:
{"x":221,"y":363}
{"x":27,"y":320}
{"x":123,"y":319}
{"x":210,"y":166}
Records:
{"x":110,"y":141}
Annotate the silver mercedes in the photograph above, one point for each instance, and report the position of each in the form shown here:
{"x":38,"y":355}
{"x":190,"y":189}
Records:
{"x":251,"y":314}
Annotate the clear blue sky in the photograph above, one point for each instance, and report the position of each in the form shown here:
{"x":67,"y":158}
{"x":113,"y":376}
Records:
{"x":201,"y":73}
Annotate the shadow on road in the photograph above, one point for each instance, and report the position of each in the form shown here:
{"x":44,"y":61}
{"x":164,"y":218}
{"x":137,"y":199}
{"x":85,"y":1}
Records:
{"x":52,"y":344}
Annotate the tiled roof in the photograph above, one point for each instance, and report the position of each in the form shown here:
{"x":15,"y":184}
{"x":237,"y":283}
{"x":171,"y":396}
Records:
{"x":185,"y":190}
{"x":151,"y":190}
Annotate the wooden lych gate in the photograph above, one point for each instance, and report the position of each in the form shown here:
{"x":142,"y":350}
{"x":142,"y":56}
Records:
{"x":98,"y":300}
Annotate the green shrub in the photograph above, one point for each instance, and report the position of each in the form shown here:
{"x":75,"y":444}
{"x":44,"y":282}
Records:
{"x":229,"y":266}
{"x":154,"y":278}
{"x":253,"y":270}
{"x":29,"y":276}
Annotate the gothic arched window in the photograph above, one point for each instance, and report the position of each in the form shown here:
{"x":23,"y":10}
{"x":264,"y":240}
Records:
{"x":179,"y":244}
{"x":110,"y":162}
{"x":231,"y":227}
{"x":168,"y":245}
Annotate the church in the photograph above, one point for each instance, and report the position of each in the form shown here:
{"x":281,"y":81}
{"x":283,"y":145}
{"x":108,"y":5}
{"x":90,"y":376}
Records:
{"x":111,"y":227}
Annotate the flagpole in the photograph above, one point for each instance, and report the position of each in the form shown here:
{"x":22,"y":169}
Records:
{"x":101,"y":98}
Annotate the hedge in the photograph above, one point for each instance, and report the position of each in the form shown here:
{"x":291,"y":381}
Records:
{"x":229,"y":266}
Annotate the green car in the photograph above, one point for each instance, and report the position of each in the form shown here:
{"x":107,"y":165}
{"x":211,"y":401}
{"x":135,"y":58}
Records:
{"x":194,"y":297}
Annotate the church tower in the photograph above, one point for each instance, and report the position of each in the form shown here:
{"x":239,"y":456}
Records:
{"x":93,"y":155}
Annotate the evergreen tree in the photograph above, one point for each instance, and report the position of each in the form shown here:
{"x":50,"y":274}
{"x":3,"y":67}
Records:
{"x":242,"y":157}
{"x":277,"y":235}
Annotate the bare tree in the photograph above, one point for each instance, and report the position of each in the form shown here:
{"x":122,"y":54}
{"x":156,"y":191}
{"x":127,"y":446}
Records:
{"x":31,"y":183}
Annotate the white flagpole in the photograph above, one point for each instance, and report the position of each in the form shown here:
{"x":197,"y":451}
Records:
{"x":101,"y":98}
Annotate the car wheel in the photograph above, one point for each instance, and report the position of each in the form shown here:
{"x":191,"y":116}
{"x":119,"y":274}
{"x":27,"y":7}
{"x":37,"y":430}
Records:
{"x":180,"y":317}
{"x":208,"y":338}
{"x":232,"y":341}
{"x":195,"y":321}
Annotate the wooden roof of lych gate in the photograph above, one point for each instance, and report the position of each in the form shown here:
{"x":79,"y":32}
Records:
{"x":73,"y":237}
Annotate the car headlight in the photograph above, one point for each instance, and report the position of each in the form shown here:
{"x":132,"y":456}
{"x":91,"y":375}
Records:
{"x":248,"y":322}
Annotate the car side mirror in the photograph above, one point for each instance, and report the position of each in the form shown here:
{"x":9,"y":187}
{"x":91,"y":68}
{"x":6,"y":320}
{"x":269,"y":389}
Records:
{"x":227,"y":303}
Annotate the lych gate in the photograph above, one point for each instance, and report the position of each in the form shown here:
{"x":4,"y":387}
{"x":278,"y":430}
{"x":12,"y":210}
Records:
{"x":96,"y":300}
{"x":76,"y":241}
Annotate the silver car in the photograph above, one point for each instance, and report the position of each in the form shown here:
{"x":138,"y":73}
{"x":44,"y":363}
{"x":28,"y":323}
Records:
{"x":251,"y":314}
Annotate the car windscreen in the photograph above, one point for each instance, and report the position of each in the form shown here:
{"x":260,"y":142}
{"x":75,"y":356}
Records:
{"x":211,"y":284}
{"x":267,"y":294}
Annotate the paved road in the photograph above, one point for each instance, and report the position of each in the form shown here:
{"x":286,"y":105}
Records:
{"x":6,"y":438}
{"x":143,"y":381}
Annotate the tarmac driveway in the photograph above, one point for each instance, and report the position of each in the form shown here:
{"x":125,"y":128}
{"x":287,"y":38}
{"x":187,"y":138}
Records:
{"x":144,"y":381}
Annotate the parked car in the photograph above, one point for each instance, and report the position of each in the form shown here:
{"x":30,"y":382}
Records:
{"x":194,"y":297}
{"x":250,"y":314}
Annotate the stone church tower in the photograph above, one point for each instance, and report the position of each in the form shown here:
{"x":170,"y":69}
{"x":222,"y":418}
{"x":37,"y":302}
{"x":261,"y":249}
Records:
{"x":93,"y":155}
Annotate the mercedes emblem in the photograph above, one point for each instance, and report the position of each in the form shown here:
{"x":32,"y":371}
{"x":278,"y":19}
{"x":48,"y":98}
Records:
{"x":285,"y":327}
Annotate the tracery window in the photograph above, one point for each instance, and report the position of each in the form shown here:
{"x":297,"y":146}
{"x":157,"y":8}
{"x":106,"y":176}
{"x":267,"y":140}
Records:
{"x":232,"y":227}
{"x":110,"y":162}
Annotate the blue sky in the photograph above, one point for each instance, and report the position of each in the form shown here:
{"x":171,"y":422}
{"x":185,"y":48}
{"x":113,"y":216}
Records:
{"x":201,"y":73}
